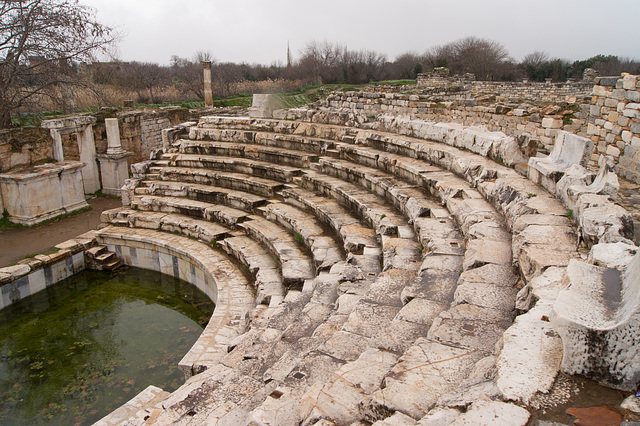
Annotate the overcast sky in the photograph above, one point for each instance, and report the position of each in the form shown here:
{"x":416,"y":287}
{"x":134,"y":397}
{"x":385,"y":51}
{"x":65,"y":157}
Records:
{"x":257,"y":31}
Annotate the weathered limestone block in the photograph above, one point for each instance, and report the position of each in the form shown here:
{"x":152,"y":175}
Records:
{"x":469,"y":326}
{"x":424,"y":373}
{"x":612,"y":255}
{"x":568,"y":149}
{"x":530,"y":355}
{"x":488,"y":412}
{"x":38,"y":193}
{"x":597,"y":317}
{"x":601,"y":220}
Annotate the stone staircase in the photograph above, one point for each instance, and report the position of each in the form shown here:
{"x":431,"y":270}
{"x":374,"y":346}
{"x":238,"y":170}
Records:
{"x":385,"y":269}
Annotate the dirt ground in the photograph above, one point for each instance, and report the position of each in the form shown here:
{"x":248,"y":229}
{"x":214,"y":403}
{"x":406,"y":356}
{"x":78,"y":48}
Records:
{"x":15,"y":244}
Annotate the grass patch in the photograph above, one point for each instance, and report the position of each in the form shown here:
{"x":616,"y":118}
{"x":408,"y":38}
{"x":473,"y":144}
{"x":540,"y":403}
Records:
{"x":569,"y":214}
{"x":298,"y":237}
{"x":6,"y":224}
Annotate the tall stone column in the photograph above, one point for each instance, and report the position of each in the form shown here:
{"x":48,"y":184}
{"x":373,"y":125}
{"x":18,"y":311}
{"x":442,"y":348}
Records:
{"x":87,"y":147}
{"x":208,"y":93}
{"x":58,"y":154}
{"x":113,"y":164}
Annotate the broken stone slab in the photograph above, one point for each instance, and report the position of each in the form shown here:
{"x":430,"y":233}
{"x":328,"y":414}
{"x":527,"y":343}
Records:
{"x":544,"y":287}
{"x":471,"y":327}
{"x":439,"y":416}
{"x":397,"y":419}
{"x":601,"y":220}
{"x":612,"y":255}
{"x":436,"y":285}
{"x":529,"y":359}
{"x":596,"y":316}
{"x":423,"y":374}
{"x":488,"y":412}
{"x":482,"y":252}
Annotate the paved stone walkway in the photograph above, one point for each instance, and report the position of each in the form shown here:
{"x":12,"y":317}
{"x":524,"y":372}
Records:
{"x":15,"y":244}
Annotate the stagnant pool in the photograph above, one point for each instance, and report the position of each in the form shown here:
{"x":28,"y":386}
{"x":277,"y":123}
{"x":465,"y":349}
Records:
{"x":73,"y":353}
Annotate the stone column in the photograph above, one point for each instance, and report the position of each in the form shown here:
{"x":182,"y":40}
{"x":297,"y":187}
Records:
{"x":58,"y":154}
{"x":113,"y":164}
{"x":208,"y":94}
{"x":87,"y":147}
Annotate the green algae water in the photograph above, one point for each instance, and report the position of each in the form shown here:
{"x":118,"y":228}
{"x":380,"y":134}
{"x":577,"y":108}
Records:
{"x":76,"y":351}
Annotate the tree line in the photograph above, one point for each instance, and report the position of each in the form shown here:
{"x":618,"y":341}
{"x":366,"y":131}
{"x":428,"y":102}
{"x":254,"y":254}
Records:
{"x":48,"y":47}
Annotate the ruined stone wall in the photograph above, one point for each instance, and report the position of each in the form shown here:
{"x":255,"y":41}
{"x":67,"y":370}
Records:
{"x":614,"y":122}
{"x":141,"y":131}
{"x":538,"y":122}
{"x":511,"y":91}
{"x":530,"y":91}
{"x":24,"y":146}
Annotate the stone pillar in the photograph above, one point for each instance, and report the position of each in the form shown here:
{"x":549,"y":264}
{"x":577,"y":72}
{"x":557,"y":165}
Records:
{"x":87,"y":147}
{"x":208,"y":94}
{"x":113,"y":164}
{"x":58,"y":154}
{"x":114,"y":145}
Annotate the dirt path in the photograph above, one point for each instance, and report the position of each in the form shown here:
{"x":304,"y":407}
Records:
{"x":15,"y":244}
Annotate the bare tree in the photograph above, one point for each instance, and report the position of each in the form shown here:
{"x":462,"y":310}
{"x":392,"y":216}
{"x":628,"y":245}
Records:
{"x":486,"y":59}
{"x":39,"y":41}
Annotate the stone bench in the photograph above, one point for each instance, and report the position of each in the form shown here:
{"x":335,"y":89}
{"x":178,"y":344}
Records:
{"x":399,"y":245}
{"x":578,"y":180}
{"x":251,"y":134}
{"x":296,"y":265}
{"x":238,"y":165}
{"x":597,"y":317}
{"x":568,"y":149}
{"x":238,"y":181}
{"x":207,"y":193}
{"x":259,"y":260}
{"x":359,"y":241}
{"x":305,"y":227}
{"x":252,"y":151}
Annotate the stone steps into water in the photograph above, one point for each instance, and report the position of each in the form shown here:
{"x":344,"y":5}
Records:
{"x":296,"y":265}
{"x":210,"y":270}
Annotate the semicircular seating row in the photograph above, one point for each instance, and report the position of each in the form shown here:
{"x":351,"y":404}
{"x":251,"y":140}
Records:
{"x":382,"y":266}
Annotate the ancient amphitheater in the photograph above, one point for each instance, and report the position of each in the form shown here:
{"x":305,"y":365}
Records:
{"x":370,"y":266}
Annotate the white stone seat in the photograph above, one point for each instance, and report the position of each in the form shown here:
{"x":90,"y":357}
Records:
{"x":598,"y":317}
{"x":573,"y":183}
{"x":568,"y":149}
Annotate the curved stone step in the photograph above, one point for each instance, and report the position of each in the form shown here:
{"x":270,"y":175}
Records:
{"x":274,"y":155}
{"x":296,"y":265}
{"x":237,"y":181}
{"x":258,"y":259}
{"x":277,"y":139}
{"x":207,"y":193}
{"x":305,"y":227}
{"x":247,"y":166}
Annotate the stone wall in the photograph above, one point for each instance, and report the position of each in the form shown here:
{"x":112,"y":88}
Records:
{"x":614,"y":122}
{"x":141,"y":131}
{"x":537,"y":122}
{"x":510,"y":90}
{"x":24,"y":146}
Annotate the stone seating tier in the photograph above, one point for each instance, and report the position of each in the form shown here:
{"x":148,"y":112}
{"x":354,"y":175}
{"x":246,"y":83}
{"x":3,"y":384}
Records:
{"x":355,"y":345}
